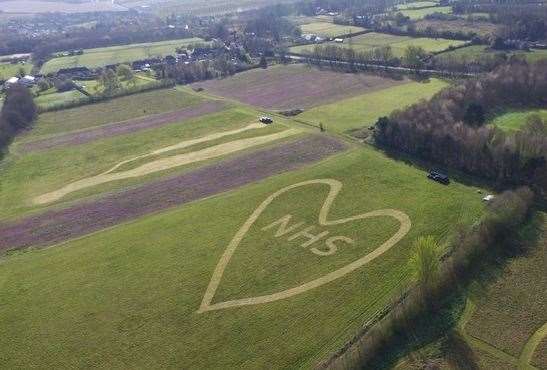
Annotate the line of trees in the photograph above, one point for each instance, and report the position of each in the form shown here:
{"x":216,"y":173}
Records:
{"x":451,"y":129}
{"x":413,"y":56}
{"x":17,"y":114}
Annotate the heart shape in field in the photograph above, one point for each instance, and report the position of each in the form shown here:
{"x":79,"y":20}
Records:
{"x":335,"y":188}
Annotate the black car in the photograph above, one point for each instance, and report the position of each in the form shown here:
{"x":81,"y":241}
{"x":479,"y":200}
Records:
{"x":439,"y":177}
{"x":266,"y":120}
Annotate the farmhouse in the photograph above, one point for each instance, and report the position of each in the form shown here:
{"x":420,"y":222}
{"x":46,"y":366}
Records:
{"x":145,"y":63}
{"x":27,"y":80}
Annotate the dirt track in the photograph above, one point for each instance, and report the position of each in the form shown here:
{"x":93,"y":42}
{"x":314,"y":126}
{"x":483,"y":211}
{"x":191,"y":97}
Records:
{"x":52,"y":227}
{"x":122,"y":128}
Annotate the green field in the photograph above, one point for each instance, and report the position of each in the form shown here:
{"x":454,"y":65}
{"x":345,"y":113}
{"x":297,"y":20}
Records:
{"x":326,"y":29}
{"x":93,"y":86}
{"x":8,"y":70}
{"x":129,"y":296}
{"x":502,"y":322}
{"x":29,"y":175}
{"x":116,"y":110}
{"x":507,"y":312}
{"x":415,"y":14}
{"x":132,"y":296}
{"x":53,"y":98}
{"x":93,"y":58}
{"x":363,"y":110}
{"x":477,"y":53}
{"x":417,"y":5}
{"x":513,"y":121}
{"x":484,"y":29}
{"x":370,"y":41}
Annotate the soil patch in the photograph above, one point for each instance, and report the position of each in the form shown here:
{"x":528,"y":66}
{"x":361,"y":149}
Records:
{"x":56,"y":226}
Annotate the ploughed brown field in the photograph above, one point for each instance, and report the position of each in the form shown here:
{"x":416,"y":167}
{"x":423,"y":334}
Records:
{"x":59,"y":225}
{"x":122,"y":128}
{"x":294,"y":86}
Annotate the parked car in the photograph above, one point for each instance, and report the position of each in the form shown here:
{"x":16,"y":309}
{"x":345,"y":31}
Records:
{"x":439,"y":177}
{"x":266,"y":120}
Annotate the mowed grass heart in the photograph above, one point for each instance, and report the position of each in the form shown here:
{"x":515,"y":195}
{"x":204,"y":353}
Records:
{"x":319,"y":251}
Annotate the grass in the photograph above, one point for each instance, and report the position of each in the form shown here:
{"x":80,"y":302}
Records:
{"x":511,"y":307}
{"x":93,"y":86}
{"x":54,"y":98}
{"x":27,"y":175}
{"x":326,"y":29}
{"x":119,"y":109}
{"x":128,"y":296}
{"x":8,"y":70}
{"x":370,"y":41}
{"x":504,"y":321}
{"x":416,"y":14}
{"x":99,"y":57}
{"x":480,"y":28}
{"x":477,"y":53}
{"x":363,"y":110}
{"x":417,"y":5}
{"x":513,"y":121}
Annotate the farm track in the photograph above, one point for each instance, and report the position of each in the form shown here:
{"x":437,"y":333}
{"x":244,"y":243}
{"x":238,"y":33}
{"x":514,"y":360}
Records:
{"x":55,"y":226}
{"x":122,"y":128}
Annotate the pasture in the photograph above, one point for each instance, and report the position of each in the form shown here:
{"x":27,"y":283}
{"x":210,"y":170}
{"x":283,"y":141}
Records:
{"x":124,"y":295}
{"x":415,"y":14}
{"x":53,"y":98}
{"x":459,"y":25}
{"x":140,"y":79}
{"x":364,"y":110}
{"x":373,"y":40}
{"x":100,"y":57}
{"x":116,"y":110}
{"x":81,"y":166}
{"x":327,"y":29}
{"x":417,"y":5}
{"x":515,"y":299}
{"x":478,"y":53}
{"x":8,"y":70}
{"x":185,"y":234}
{"x":293,"y":86}
{"x":513,"y":121}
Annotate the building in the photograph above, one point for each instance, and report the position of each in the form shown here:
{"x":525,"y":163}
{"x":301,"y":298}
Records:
{"x":12,"y":81}
{"x":28,"y":80}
